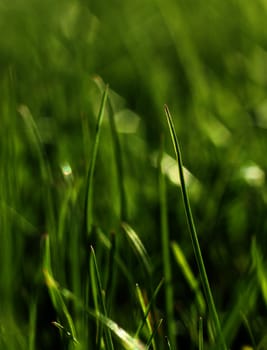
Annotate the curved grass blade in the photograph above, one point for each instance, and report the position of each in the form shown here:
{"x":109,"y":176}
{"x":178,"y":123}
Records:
{"x":138,"y":247}
{"x":89,"y":182}
{"x":194,"y":238}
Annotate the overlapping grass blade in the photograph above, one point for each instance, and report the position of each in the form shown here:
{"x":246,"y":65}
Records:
{"x":165,"y":239}
{"x":146,"y":308}
{"x":152,"y":336}
{"x":146,"y":315}
{"x":89,"y":183}
{"x":99,"y":295}
{"x":121,"y":265}
{"x":138,"y":247}
{"x":194,"y":238}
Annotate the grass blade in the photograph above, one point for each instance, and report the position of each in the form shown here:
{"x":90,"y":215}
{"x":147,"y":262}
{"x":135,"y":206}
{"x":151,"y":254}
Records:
{"x":55,"y":294}
{"x":189,"y":276}
{"x":146,"y":315}
{"x":138,"y":247}
{"x":90,"y":175}
{"x":151,"y":339}
{"x":165,"y":239}
{"x":120,"y":169}
{"x":200,"y":334}
{"x":194,"y":237}
{"x":127,"y":341}
{"x":99,"y":293}
{"x":147,"y":308}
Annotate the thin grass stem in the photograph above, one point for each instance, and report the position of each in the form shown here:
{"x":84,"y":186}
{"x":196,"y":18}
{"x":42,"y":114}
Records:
{"x":165,"y":239}
{"x":90,"y":175}
{"x":193,"y":234}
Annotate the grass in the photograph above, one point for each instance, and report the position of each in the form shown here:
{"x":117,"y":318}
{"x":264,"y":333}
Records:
{"x":107,"y":240}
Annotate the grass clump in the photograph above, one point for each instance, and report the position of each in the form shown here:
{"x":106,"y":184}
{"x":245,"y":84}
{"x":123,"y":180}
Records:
{"x":95,"y":252}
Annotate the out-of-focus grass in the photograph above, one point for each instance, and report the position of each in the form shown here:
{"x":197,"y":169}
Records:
{"x":208,"y":63}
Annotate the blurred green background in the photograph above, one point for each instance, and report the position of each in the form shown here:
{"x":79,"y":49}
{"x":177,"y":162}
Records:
{"x":208,"y":62}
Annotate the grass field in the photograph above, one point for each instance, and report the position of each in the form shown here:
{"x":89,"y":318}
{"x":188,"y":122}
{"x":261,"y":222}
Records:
{"x":133,"y":189}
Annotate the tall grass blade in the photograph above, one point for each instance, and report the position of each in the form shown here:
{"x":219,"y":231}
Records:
{"x":189,"y":276}
{"x":194,"y":238}
{"x":165,"y":239}
{"x":32,"y":325}
{"x":37,"y":143}
{"x":90,"y":175}
{"x":138,"y":247}
{"x":120,"y":169}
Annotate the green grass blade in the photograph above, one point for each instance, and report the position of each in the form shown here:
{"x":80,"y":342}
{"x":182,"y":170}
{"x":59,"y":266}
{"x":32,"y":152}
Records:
{"x":151,"y":339}
{"x":248,"y":327}
{"x":111,"y":270}
{"x":189,"y":276}
{"x":37,"y":143}
{"x":194,"y":238}
{"x":200,"y":334}
{"x":242,"y":304}
{"x":148,"y":308}
{"x":165,"y":239}
{"x":100,"y":294}
{"x":138,"y":247}
{"x":55,"y":293}
{"x":168,"y":344}
{"x":90,"y":175}
{"x":126,"y":340}
{"x":260,"y":267}
{"x":145,"y":314}
{"x":120,"y":169}
{"x":121,"y":265}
